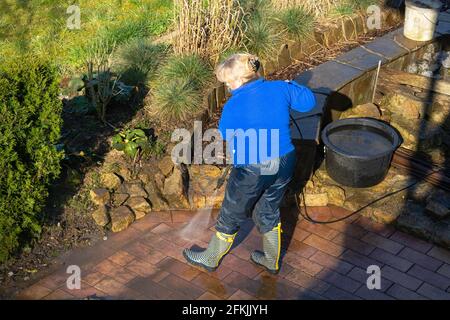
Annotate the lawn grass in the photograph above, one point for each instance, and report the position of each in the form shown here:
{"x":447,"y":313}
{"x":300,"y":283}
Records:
{"x":39,"y":26}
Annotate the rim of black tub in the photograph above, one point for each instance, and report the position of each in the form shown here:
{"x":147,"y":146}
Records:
{"x":373,"y":124}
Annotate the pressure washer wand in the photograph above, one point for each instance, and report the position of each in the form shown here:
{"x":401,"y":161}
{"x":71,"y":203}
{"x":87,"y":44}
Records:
{"x":223,"y":177}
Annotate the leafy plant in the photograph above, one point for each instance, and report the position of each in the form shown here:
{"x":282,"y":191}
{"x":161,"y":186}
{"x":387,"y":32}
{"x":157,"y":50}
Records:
{"x":133,"y":142}
{"x":30,"y":121}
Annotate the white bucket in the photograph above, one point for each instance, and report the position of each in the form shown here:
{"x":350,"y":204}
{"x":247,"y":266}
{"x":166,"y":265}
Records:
{"x":421,"y":17}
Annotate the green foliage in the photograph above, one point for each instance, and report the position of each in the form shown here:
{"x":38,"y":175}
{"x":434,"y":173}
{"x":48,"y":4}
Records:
{"x":176,"y":100}
{"x":30,"y":121}
{"x":138,"y":60}
{"x":343,"y":10}
{"x":126,"y":31}
{"x":178,"y":91}
{"x":261,"y":36}
{"x":39,"y":26}
{"x":348,"y":7}
{"x":133,"y":142}
{"x":190,"y":68}
{"x":296,"y":22}
{"x":157,"y":148}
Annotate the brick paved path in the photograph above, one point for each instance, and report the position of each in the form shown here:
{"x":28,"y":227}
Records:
{"x":322,"y":262}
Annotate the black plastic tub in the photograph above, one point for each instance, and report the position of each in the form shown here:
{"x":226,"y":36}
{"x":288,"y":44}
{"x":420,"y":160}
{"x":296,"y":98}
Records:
{"x":358,"y":151}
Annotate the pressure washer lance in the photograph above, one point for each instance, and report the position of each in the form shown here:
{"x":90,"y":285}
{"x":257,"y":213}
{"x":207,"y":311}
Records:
{"x":223,"y":177}
{"x":308,"y":218}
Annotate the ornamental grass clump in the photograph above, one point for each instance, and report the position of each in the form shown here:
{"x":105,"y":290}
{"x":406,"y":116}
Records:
{"x":207,"y":27}
{"x":177,"y":95}
{"x":137,"y":60}
{"x":262,"y":36}
{"x":296,"y":22}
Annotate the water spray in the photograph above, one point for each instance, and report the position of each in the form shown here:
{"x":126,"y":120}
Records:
{"x":201,"y":220}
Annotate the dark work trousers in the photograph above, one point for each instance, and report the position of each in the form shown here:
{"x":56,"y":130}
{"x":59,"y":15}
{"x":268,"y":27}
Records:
{"x":257,"y":187}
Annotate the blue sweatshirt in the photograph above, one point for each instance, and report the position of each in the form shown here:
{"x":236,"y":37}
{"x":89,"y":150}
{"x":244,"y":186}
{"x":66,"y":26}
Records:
{"x":255,"y":120}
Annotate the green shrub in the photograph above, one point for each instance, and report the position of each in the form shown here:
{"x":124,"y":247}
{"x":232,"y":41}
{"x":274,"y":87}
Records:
{"x":132,"y":142}
{"x":30,"y":120}
{"x":178,"y":92}
{"x":296,"y":22}
{"x":137,"y":60}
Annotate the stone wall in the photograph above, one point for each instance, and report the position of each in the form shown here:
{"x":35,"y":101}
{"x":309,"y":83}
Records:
{"x":351,"y":79}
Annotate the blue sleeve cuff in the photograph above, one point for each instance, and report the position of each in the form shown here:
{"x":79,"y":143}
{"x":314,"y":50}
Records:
{"x":302,"y":99}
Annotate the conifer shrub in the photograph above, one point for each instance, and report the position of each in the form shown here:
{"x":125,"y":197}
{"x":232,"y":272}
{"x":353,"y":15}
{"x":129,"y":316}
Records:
{"x":30,"y":121}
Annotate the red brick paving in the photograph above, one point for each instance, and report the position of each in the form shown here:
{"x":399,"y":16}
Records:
{"x":319,"y":262}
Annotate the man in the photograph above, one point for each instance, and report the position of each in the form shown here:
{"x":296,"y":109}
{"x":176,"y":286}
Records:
{"x":254,"y":120}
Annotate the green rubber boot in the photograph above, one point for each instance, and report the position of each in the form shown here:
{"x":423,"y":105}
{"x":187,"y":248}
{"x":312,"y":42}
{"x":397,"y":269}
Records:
{"x":272,"y":247}
{"x":210,"y":258}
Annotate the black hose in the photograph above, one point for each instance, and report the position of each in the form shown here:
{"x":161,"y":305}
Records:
{"x":308,"y":218}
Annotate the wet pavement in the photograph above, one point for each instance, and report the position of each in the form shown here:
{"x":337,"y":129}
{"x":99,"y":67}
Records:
{"x":319,"y":262}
